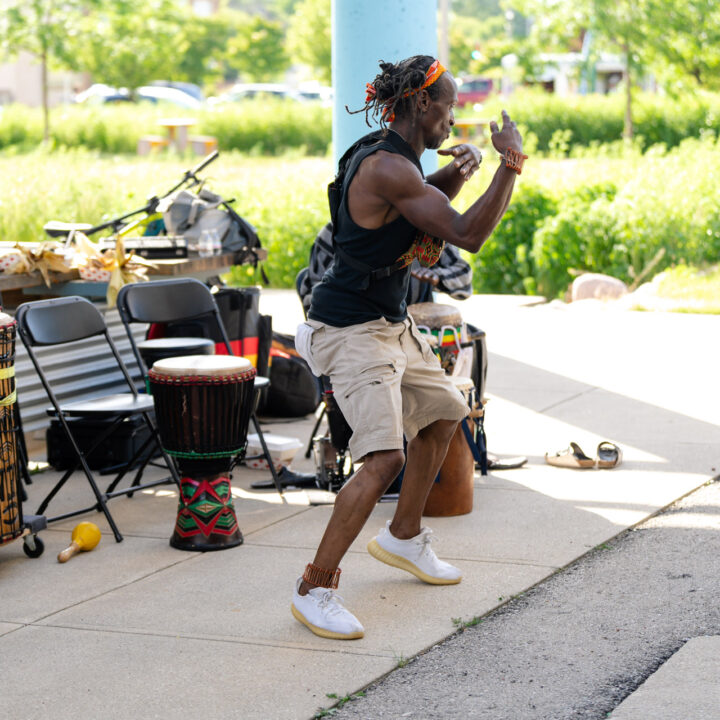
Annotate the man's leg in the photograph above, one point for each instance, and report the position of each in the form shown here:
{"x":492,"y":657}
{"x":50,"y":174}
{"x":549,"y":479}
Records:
{"x":404,"y":543}
{"x":353,"y":506}
{"x":314,"y":603}
{"x":425,"y":454}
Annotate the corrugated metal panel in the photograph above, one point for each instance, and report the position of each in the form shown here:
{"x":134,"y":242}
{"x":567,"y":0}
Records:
{"x":77,"y":371}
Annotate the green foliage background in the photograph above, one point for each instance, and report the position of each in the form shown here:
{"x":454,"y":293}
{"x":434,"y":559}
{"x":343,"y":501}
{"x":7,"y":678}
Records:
{"x":269,"y":127}
{"x":595,"y":213}
{"x":568,"y":125}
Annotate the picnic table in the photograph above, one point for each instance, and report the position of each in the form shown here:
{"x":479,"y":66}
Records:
{"x":177,"y":131}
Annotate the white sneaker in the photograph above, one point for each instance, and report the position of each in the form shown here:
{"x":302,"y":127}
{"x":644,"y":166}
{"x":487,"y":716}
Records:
{"x":321,"y":610}
{"x":414,"y":555}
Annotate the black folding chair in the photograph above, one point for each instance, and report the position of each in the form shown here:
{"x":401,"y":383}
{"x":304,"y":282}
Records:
{"x":58,"y":321}
{"x":179,"y":300}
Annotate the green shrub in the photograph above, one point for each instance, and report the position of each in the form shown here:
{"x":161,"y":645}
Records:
{"x":20,"y":126}
{"x":562,"y":124}
{"x":266,"y":126}
{"x":665,"y":214}
{"x":270,"y":127}
{"x":504,"y":263}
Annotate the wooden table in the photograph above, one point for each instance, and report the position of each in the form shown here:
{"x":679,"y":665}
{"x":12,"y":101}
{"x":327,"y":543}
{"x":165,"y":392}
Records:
{"x":177,"y":130}
{"x":16,"y":288}
{"x":468,"y":128}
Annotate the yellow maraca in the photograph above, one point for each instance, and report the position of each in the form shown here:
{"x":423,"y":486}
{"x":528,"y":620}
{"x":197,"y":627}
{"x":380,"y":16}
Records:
{"x":85,"y":536}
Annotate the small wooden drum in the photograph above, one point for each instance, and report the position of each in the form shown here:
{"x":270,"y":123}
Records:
{"x":10,"y":502}
{"x":443,"y":328}
{"x":452,"y":491}
{"x":203,"y":405}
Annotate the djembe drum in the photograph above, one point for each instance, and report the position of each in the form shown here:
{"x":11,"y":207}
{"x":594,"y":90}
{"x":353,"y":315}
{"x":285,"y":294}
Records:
{"x":203,"y":405}
{"x":10,"y":502}
{"x":452,"y":491}
{"x":443,"y":328}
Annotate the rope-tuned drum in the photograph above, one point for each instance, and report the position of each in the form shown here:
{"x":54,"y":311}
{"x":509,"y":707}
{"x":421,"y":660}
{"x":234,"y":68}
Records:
{"x":203,"y":405}
{"x":10,"y":502}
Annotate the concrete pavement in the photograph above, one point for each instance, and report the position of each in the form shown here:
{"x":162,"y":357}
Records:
{"x":141,"y":630}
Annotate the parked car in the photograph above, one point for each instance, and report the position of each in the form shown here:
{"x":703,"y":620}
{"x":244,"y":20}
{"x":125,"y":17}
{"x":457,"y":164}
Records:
{"x":243,"y":91}
{"x":100,"y":94}
{"x":473,"y":90}
{"x":170,"y":95}
{"x":314,"y":92}
{"x":190,"y":88}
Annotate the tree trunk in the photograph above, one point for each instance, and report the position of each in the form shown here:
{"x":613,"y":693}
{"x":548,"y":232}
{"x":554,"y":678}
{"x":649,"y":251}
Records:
{"x":628,"y":127}
{"x":46,"y":109}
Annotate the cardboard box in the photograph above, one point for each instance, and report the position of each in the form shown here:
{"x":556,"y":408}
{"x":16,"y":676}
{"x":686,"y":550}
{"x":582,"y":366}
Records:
{"x":282,"y":450}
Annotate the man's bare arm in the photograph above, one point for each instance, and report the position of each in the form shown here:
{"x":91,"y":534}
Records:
{"x":399,"y":183}
{"x":450,"y":178}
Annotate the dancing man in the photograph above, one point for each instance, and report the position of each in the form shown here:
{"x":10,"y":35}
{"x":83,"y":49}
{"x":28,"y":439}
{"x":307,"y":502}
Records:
{"x":385,"y":377}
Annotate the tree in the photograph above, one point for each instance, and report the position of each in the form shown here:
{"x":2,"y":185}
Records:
{"x":202,"y":47}
{"x":310,"y":37}
{"x":621,"y":24}
{"x":256,"y":48}
{"x":687,"y":38}
{"x":128,"y":43}
{"x":477,"y":46}
{"x":46,"y":29}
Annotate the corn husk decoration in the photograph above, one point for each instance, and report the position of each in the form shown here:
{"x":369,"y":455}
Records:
{"x":45,"y":258}
{"x":123,"y":268}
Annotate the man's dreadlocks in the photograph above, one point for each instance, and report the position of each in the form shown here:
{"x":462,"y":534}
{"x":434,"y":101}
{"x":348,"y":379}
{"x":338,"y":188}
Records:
{"x":392,"y":90}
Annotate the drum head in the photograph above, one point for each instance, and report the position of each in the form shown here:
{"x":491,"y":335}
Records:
{"x":5,"y":319}
{"x":196,"y":365}
{"x":435,"y":315}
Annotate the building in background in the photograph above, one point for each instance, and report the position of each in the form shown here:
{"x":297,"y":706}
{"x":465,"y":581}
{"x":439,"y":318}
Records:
{"x":21,"y":82}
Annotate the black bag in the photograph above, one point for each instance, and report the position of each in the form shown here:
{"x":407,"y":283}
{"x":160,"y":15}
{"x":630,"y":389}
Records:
{"x":116,"y":450}
{"x":294,"y":391}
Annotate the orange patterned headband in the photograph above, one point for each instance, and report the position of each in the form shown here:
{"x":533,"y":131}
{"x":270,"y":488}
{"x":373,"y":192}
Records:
{"x":433,"y":73}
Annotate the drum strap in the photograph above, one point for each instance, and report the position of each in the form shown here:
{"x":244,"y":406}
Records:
{"x":477,"y":448}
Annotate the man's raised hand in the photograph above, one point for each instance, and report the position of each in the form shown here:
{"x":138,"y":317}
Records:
{"x":507,"y":137}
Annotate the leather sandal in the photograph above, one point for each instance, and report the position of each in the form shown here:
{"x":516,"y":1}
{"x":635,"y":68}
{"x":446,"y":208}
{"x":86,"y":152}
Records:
{"x":504,"y":463}
{"x":573,"y":457}
{"x":609,"y":455}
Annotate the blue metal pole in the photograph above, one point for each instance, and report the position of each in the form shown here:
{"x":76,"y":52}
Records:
{"x":363,"y":33}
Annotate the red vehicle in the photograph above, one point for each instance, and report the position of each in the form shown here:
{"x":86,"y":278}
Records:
{"x":473,"y":90}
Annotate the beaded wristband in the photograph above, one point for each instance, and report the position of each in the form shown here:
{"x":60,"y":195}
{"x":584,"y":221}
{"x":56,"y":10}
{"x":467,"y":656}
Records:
{"x":320,"y":577}
{"x":514,"y":160}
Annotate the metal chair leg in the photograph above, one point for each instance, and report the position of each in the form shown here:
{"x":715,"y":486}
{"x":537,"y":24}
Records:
{"x":266,"y":453}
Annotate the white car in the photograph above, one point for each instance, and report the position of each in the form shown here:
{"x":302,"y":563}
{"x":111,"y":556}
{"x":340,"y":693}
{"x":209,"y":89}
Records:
{"x":242,"y":91}
{"x":99,"y":94}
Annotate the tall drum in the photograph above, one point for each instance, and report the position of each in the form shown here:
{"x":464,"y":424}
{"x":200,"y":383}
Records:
{"x":203,"y":405}
{"x":10,"y":503}
{"x":452,"y":491}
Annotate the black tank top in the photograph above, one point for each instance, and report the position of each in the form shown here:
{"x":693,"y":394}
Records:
{"x":346,"y":295}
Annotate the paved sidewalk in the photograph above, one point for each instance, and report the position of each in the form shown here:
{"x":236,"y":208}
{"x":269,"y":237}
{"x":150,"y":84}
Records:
{"x":141,"y":630}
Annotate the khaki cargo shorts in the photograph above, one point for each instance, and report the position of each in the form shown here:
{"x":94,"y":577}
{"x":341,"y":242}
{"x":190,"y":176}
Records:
{"x":386,"y":379}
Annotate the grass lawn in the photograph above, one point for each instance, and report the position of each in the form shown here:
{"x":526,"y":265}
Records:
{"x":685,"y":289}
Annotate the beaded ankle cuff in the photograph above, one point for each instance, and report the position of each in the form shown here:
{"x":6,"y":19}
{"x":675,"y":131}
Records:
{"x":320,"y":577}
